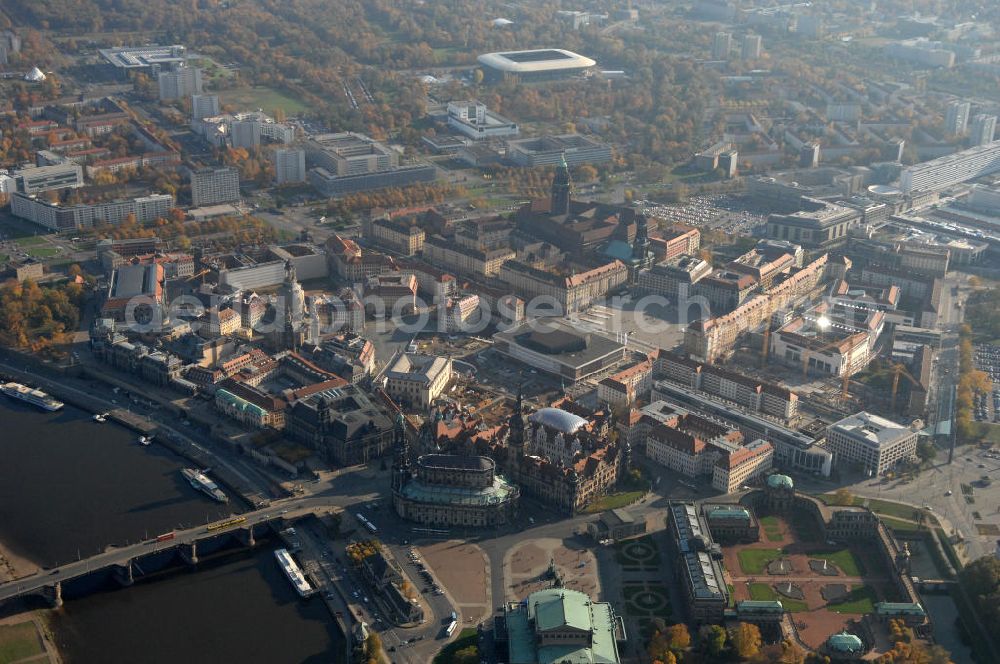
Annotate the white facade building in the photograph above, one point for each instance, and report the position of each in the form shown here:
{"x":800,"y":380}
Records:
{"x":951,"y":169}
{"x":874,"y":442}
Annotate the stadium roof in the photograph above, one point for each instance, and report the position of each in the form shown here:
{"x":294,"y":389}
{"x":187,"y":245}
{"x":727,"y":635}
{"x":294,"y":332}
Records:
{"x":534,"y":61}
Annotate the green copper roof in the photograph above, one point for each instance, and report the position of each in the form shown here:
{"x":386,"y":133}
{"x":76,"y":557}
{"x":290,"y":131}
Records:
{"x":561,"y":610}
{"x":845,"y":642}
{"x":729,"y":513}
{"x":780,"y":482}
{"x":239,"y":402}
{"x":899,"y":608}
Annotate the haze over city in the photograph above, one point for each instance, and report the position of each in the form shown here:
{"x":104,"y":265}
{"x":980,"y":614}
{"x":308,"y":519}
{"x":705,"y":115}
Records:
{"x":399,"y":332}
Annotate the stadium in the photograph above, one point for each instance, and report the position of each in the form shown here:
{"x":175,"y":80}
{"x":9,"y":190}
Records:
{"x":537,"y":65}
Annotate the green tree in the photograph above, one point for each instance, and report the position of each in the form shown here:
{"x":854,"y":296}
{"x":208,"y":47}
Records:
{"x":713,"y":638}
{"x":926,"y":451}
{"x":468,"y":655}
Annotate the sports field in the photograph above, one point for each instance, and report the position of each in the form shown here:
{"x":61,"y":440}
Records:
{"x":267,"y":99}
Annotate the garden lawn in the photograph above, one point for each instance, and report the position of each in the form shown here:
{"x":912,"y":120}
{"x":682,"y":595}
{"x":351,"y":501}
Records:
{"x":467,"y":637}
{"x":844,"y":559}
{"x":762,"y":592}
{"x":754,"y":561}
{"x":860,"y":600}
{"x":614,"y":501}
{"x":772,"y":529}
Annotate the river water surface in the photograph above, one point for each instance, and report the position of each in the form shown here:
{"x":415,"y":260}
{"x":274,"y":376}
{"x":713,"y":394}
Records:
{"x":70,"y":487}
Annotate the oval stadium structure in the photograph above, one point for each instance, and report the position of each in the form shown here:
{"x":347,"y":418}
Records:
{"x":538,"y":64}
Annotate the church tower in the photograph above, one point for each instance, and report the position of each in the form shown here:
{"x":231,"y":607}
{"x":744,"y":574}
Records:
{"x":640,"y":247}
{"x":515,"y":438}
{"x":401,"y":463}
{"x":560,"y":190}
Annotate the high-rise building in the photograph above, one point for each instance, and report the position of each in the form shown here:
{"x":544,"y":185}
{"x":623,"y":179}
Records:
{"x":752,"y":46}
{"x":982,"y":130}
{"x":9,"y":43}
{"x":204,"y":106}
{"x":722,"y":44}
{"x":179,"y":83}
{"x":289,"y":166}
{"x":244,"y":134}
{"x":214,"y":185}
{"x":951,"y":169}
{"x":956,"y":117}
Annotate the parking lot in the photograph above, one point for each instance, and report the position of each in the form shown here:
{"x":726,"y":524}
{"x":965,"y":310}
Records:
{"x":987,"y":406}
{"x":726,"y":212}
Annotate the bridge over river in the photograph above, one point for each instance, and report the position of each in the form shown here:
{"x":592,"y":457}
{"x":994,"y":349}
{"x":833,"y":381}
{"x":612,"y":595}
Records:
{"x":125,"y":562}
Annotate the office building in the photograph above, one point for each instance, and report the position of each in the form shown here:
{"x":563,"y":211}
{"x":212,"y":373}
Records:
{"x":560,"y":625}
{"x":402,"y":236}
{"x":473,"y":120}
{"x":792,"y":449}
{"x":147,"y":59}
{"x":722,"y":44}
{"x":818,"y":224}
{"x":751,"y":48}
{"x":204,"y":106}
{"x":215,"y":185}
{"x":146,"y":209}
{"x":951,"y":169}
{"x":569,"y":293}
{"x":244,"y":134}
{"x":983,"y":129}
{"x":179,"y":83}
{"x":956,"y":117}
{"x":36,"y":179}
{"x":10,"y":43}
{"x":873,"y":442}
{"x":574,"y":149}
{"x":345,"y":163}
{"x":465,"y":260}
{"x":769,"y":399}
{"x":289,"y":165}
{"x":534,"y":65}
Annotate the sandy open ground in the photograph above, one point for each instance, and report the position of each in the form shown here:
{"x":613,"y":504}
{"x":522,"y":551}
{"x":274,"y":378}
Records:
{"x":462,"y":571}
{"x":526,"y":567}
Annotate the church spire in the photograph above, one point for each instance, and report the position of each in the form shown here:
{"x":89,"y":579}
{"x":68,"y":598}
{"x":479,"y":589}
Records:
{"x":561,"y":189}
{"x":516,"y":422}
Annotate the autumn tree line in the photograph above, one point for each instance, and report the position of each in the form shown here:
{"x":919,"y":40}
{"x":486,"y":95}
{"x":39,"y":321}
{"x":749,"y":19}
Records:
{"x":38,"y":317}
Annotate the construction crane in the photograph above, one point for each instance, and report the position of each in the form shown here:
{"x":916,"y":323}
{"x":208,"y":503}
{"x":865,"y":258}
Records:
{"x":897,"y":371}
{"x":198,"y":274}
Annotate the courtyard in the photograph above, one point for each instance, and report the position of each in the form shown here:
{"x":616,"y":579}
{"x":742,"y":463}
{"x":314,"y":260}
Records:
{"x":824,"y":586}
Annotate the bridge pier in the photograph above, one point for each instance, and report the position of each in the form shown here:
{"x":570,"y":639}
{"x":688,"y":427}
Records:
{"x":247,"y":538}
{"x":54,"y":594}
{"x":123,"y":574}
{"x":189,"y":553}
